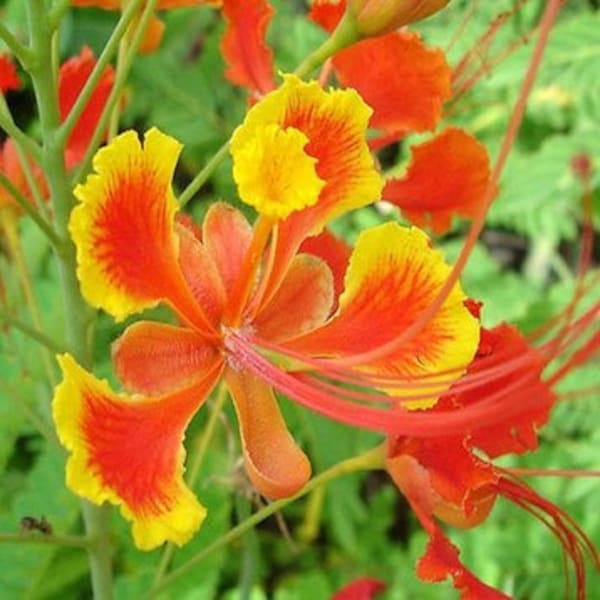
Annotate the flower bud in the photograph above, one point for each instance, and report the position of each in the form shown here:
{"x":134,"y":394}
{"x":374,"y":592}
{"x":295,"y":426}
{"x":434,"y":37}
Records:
{"x":377,"y":17}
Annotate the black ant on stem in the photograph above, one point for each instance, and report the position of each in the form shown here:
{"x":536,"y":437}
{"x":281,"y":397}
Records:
{"x":32,"y":524}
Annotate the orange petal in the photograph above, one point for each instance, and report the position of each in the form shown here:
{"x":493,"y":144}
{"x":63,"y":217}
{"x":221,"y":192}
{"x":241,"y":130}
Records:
{"x":335,"y":252}
{"x":152,"y":36}
{"x":363,"y":588}
{"x":249,"y":59}
{"x":403,"y":81}
{"x":129,"y":451}
{"x":275,"y":464}
{"x":226,"y":234}
{"x":441,"y":561}
{"x":72,"y":76}
{"x":154,"y":358}
{"x":9,"y":80}
{"x":499,"y":346}
{"x":425,"y":485}
{"x":392,"y":278}
{"x":286,"y":316}
{"x":127,"y":249}
{"x":202,"y":274}
{"x":445,"y":476}
{"x":326,"y":13}
{"x":448,"y":175}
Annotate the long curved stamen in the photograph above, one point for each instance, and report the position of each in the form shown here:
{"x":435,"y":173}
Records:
{"x":398,"y":421}
{"x":572,"y":538}
{"x":497,"y":365}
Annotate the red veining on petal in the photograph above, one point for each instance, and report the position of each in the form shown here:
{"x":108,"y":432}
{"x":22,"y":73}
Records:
{"x":155,"y":358}
{"x":135,"y":448}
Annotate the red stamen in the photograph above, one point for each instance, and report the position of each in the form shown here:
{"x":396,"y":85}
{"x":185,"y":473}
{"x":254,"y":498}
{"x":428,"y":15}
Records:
{"x":572,"y":538}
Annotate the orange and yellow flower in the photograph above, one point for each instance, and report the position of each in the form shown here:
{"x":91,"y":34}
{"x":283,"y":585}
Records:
{"x":253,"y":308}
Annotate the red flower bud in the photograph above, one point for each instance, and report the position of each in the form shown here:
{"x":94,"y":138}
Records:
{"x":377,"y":17}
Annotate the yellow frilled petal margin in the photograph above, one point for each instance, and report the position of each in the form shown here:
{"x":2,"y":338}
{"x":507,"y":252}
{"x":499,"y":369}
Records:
{"x":273,"y":172}
{"x":123,"y":227}
{"x":300,"y":146}
{"x":129,"y":452}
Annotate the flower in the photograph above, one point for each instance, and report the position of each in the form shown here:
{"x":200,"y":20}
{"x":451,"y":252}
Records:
{"x":235,"y":289}
{"x":447,"y":478}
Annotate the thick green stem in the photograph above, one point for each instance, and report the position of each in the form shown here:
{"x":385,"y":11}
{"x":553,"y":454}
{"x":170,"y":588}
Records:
{"x":373,"y":459}
{"x":77,"y":313}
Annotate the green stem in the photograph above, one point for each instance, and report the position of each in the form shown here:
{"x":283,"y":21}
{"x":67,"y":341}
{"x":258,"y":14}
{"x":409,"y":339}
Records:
{"x":21,"y":52}
{"x":20,"y":138}
{"x":373,"y":459}
{"x":109,"y":51}
{"x":41,"y":35}
{"x":72,"y":541}
{"x":34,"y":334}
{"x":113,"y":127}
{"x":96,"y":519}
{"x":58,"y":11}
{"x":344,"y":35}
{"x":9,"y":225}
{"x":30,"y":210}
{"x":115,"y":93}
{"x":204,"y":174}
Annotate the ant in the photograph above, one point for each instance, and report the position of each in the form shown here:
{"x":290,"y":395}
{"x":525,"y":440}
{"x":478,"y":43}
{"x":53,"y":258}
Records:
{"x":32,"y":524}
